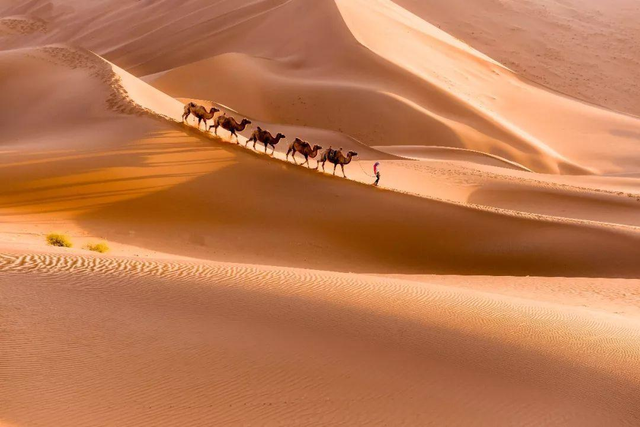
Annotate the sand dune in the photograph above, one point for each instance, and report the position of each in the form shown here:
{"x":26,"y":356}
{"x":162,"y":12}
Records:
{"x":315,"y":72}
{"x":581,"y":48}
{"x":156,"y":187}
{"x":104,"y":341}
{"x":243,"y":289}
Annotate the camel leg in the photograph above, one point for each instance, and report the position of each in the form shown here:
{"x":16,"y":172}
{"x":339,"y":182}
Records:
{"x":274,"y":151}
{"x":266,"y":144}
{"x":343,"y":174}
{"x":322,"y":166}
{"x":254,"y":144}
{"x":334,"y":168}
{"x":234,"y":134}
{"x":306,"y":160}
{"x":248,"y":141}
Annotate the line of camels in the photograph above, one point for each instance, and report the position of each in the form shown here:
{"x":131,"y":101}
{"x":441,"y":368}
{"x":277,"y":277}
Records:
{"x":264,"y":137}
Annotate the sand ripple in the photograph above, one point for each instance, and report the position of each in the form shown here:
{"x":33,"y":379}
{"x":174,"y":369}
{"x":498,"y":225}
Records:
{"x":119,"y":341}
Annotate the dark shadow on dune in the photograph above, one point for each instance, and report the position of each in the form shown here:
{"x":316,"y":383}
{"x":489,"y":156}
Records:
{"x":625,"y":134}
{"x":268,"y":212}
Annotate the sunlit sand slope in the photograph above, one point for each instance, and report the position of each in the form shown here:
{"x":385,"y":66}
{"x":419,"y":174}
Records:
{"x":582,"y":48}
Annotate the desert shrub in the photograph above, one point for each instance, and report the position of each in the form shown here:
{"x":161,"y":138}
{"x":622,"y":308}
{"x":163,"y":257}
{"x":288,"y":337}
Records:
{"x":101,"y":247}
{"x":61,"y":240}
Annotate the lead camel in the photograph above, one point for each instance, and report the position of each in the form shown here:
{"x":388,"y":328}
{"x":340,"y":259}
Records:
{"x":337,"y":158}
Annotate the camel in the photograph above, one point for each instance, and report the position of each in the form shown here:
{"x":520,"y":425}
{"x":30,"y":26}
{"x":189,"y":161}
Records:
{"x":304,"y":148}
{"x":199,"y":112}
{"x":337,"y":158}
{"x":265,"y":137}
{"x":230,"y":124}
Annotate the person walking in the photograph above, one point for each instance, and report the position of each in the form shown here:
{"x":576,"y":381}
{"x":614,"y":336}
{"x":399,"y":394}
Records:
{"x":376,"y":172}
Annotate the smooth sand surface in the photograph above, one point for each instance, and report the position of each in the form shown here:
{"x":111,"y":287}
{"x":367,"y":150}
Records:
{"x":492,"y":278}
{"x":583,"y":48}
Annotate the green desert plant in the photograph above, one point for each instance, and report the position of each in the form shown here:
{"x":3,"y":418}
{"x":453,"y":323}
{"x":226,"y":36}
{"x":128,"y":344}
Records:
{"x":61,"y":240}
{"x":101,"y":247}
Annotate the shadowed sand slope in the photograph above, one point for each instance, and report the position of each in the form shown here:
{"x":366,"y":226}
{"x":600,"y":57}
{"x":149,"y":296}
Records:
{"x":116,"y":341}
{"x":150,"y":184}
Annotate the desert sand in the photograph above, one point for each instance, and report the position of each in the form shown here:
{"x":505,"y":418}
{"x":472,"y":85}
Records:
{"x":492,"y":279}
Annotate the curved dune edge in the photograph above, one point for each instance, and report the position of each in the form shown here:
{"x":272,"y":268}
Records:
{"x":417,"y":152}
{"x":273,"y":345}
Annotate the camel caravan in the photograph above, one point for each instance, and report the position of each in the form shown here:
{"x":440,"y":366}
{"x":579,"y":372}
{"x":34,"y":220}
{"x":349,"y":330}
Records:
{"x":264,"y":137}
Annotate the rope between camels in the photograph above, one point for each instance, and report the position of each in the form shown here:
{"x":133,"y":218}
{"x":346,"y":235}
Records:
{"x":365,"y":172}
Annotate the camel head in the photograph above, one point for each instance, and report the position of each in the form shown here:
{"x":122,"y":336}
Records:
{"x":280,"y":135}
{"x":213,"y":110}
{"x":352,"y":154}
{"x":245,"y":122}
{"x":317,"y":147}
